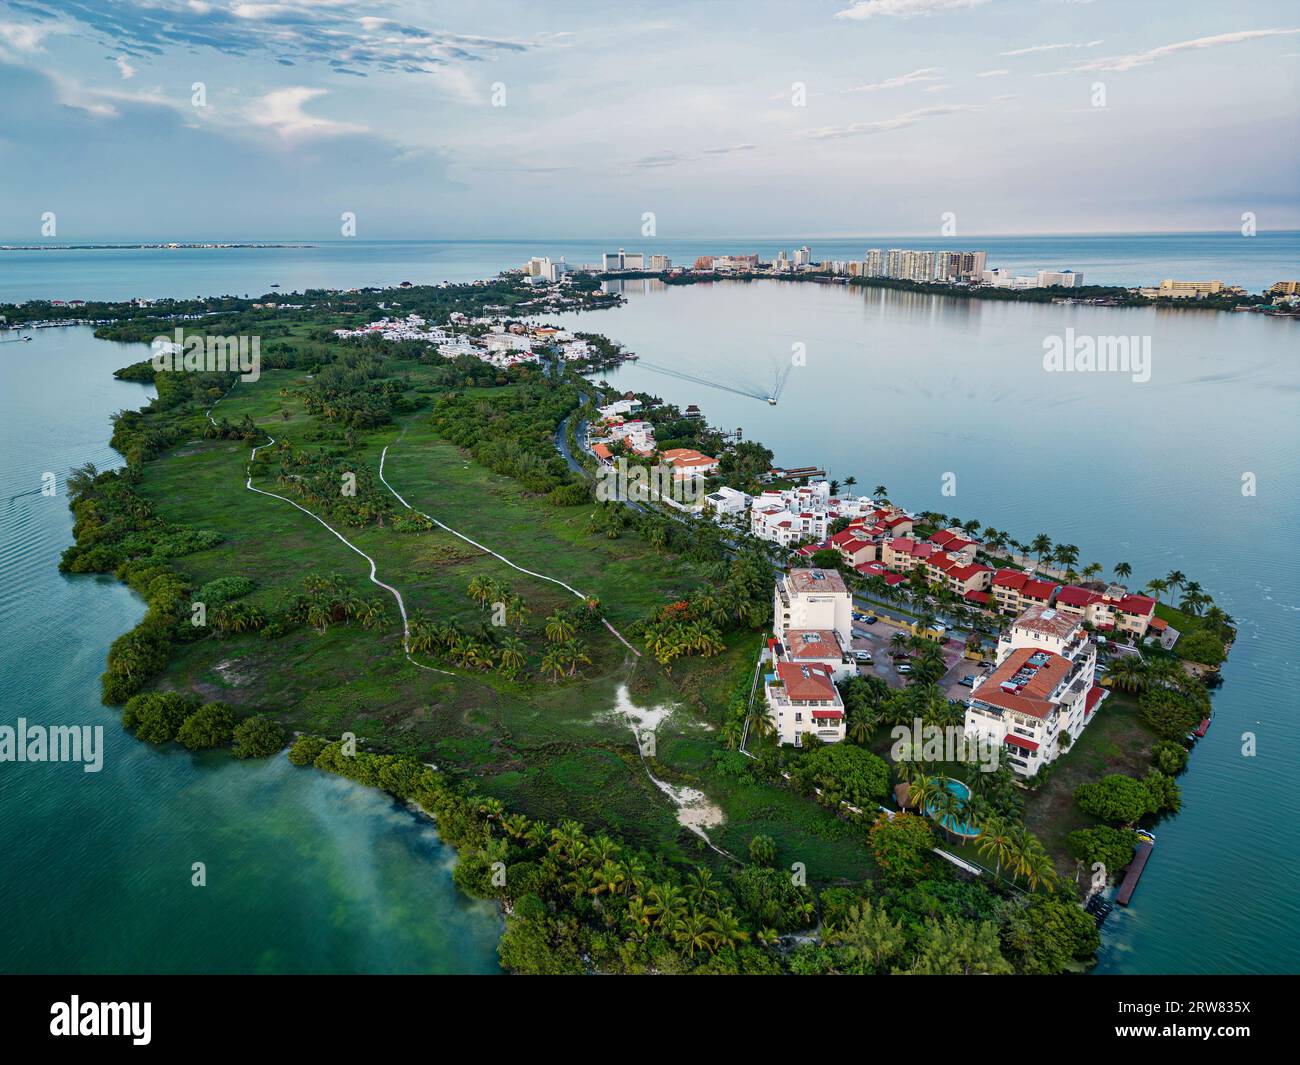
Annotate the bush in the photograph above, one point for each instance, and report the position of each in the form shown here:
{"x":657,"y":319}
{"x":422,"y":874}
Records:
{"x":157,"y":716}
{"x":1169,"y":713}
{"x":1112,"y":847}
{"x":222,"y":590}
{"x":258,"y":737}
{"x":1117,"y":798}
{"x":1201,"y":646}
{"x":306,"y":749}
{"x":211,"y":725}
{"x":843,"y":772}
{"x":1169,"y":757}
{"x":762,"y":850}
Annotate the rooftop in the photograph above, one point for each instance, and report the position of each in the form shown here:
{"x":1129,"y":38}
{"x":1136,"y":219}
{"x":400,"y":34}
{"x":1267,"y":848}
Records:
{"x":1023,"y":682}
{"x":816,"y":580}
{"x":813,"y":643}
{"x":1047,"y":621}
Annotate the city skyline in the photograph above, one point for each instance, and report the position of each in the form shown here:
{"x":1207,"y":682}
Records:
{"x":231,"y":120}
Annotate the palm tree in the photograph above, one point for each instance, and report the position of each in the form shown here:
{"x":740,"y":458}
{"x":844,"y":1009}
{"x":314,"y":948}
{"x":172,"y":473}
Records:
{"x":1123,"y":570}
{"x":995,"y":839}
{"x":695,"y":932}
{"x":560,"y":628}
{"x":1129,"y":672}
{"x":553,"y":662}
{"x":922,"y":791}
{"x":702,"y":889}
{"x":480,"y":588}
{"x":879,"y":492}
{"x":1176,"y":579}
{"x":574,"y":654}
{"x":516,"y":611}
{"x":512,"y":655}
{"x":1041,"y":545}
{"x":665,"y":903}
{"x":727,"y":929}
{"x":1157,"y":587}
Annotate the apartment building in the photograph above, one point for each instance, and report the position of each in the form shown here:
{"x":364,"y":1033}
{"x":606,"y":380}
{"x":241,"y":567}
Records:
{"x":803,"y":699}
{"x":1014,"y":591}
{"x":1114,"y":608}
{"x":1043,"y":692}
{"x":812,"y":600}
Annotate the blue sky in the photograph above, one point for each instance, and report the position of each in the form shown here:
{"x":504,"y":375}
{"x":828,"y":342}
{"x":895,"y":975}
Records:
{"x":724,"y":118}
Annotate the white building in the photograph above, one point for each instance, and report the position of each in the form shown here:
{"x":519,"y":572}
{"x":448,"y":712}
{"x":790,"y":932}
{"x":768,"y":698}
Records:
{"x":620,"y":407}
{"x":727,"y":503}
{"x":812,"y":600}
{"x":1063,"y":278}
{"x":803,"y":699}
{"x":1042,"y":690}
{"x":660,"y":263}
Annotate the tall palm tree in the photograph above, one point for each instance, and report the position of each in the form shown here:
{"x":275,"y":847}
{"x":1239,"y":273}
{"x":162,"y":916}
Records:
{"x":1157,"y":587}
{"x":1041,"y":545}
{"x":1129,"y":672}
{"x":995,"y":840}
{"x":1176,"y":579}
{"x":879,"y":492}
{"x":1123,"y":570}
{"x":512,"y":655}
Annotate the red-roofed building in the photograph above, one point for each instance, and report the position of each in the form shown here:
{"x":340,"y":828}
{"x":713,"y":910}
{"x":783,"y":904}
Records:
{"x":1014,"y":591}
{"x":1041,"y":689}
{"x":1115,"y":608}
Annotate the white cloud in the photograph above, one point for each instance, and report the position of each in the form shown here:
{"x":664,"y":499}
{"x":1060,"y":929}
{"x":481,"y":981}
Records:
{"x":887,"y":125}
{"x":1138,"y":59}
{"x":924,"y":74}
{"x":865,"y":9}
{"x":282,"y":112}
{"x":1035,"y":48}
{"x":126,"y":69}
{"x":992,"y":73}
{"x":26,"y":36}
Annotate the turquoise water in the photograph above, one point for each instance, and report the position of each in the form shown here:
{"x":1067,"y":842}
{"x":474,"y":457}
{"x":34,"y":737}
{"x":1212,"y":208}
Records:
{"x":305,"y":872}
{"x":949,"y":823}
{"x":903,"y":389}
{"x":1254,"y":262}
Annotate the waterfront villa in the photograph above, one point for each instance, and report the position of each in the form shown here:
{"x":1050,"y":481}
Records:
{"x":1113,"y":608}
{"x":1042,"y":692}
{"x":687,"y":463}
{"x":727,"y":502}
{"x":1015,"y":592}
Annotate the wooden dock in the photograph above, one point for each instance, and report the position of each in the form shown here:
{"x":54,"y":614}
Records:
{"x":1141,"y":853}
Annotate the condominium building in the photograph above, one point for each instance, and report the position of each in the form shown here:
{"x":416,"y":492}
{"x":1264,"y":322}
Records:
{"x":1113,"y":608}
{"x":812,"y":600}
{"x":623,"y":260}
{"x":1059,"y":279}
{"x":803,"y":699}
{"x":1183,"y":290}
{"x":660,"y":263}
{"x":1015,"y":591}
{"x":1042,"y":692}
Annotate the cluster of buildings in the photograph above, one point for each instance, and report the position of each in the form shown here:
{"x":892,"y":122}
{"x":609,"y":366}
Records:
{"x":791,"y":516}
{"x":487,"y":339}
{"x":1037,"y":700}
{"x":619,"y":424}
{"x":612,"y":262}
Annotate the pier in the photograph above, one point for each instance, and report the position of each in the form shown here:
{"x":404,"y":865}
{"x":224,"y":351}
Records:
{"x":1141,"y":853}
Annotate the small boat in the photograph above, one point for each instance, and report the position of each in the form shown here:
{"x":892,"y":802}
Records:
{"x":1202,"y":728}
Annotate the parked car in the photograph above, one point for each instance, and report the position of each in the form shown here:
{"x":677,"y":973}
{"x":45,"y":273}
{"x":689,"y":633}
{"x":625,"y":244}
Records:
{"x":967,"y":682}
{"x":906,"y":667}
{"x":862,"y":656}
{"x":870,"y":619}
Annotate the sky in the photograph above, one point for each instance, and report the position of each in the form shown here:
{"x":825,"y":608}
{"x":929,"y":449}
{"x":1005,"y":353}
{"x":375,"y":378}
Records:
{"x":240,"y":119}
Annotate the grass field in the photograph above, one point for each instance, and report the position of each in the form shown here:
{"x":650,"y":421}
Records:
{"x":550,"y":750}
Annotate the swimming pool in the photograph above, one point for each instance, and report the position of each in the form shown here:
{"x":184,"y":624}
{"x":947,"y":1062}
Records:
{"x":949,"y":823}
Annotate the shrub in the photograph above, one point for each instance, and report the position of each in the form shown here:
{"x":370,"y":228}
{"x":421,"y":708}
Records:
{"x":258,"y":737}
{"x":157,"y":716}
{"x":211,"y":725}
{"x":1169,"y":757}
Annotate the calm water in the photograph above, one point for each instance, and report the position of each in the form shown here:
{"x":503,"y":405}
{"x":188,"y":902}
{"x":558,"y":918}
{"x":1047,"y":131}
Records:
{"x":901,"y":389}
{"x":309,"y":873}
{"x":1254,"y":262}
{"x":305,"y":872}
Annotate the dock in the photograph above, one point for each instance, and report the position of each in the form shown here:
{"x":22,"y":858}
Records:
{"x":1141,"y":853}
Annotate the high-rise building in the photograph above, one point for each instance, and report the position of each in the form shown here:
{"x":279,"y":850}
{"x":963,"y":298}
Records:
{"x":803,"y":257}
{"x":874,"y":265}
{"x":660,"y":263}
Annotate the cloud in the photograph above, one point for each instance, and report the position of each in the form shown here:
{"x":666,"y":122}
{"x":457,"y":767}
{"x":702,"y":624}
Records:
{"x":126,"y":69}
{"x":282,"y":112}
{"x":924,"y":74}
{"x":343,"y":34}
{"x":1139,"y":59}
{"x":865,"y":9}
{"x":26,"y":36}
{"x":992,"y":73}
{"x":1035,"y":48}
{"x":909,"y":118}
{"x":728,"y":149}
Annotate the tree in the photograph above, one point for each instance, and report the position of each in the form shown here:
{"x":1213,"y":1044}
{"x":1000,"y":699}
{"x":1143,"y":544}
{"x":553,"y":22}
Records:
{"x":1157,"y":587}
{"x":866,"y":940}
{"x":1123,"y":570}
{"x":560,"y":628}
{"x":1045,"y":933}
{"x":901,"y":846}
{"x":1202,"y":646}
{"x":1175,"y":578}
{"x":762,"y":850}
{"x":212,"y":725}
{"x":1116,"y":798}
{"x":1041,"y":545}
{"x":952,"y":947}
{"x":843,"y":773}
{"x":1112,"y":847}
{"x":1169,"y":757}
{"x":157,"y":717}
{"x":257,"y":737}
{"x":512,"y":655}
{"x":1171,"y":714}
